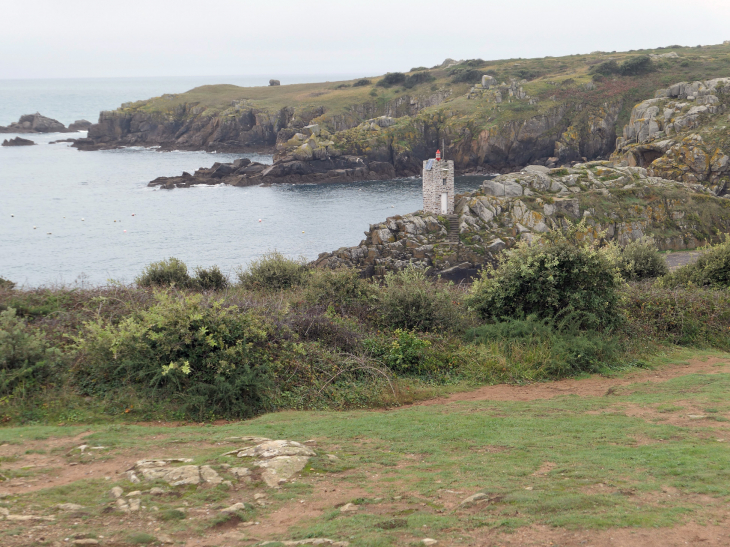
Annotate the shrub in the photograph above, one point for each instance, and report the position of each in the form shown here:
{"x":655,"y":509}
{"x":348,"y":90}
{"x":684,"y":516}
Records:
{"x":26,"y":359}
{"x":6,"y":284}
{"x":417,"y":79}
{"x":537,"y":349}
{"x":418,"y":69}
{"x":472,"y":76}
{"x":341,"y":288}
{"x":606,"y":68}
{"x":711,"y":269}
{"x":556,"y":277}
{"x":411,"y":301}
{"x":273,"y":271}
{"x":636,"y":66}
{"x":362,"y":82}
{"x":633,"y":66}
{"x":686,"y":316}
{"x":391,"y":79}
{"x":405,"y":353}
{"x":210,"y":279}
{"x":165,"y":273}
{"x":213,"y":359}
{"x":639,"y":259}
{"x":312,"y":325}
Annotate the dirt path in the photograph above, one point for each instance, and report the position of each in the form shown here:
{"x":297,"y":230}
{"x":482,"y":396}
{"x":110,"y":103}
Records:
{"x":676,"y":260}
{"x":54,"y":462}
{"x":595,"y":386}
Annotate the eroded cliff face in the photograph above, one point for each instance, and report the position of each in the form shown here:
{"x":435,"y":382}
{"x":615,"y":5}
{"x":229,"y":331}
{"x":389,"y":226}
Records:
{"x":187,"y":127}
{"x":563,"y":134}
{"x":238,"y":128}
{"x":617,"y":203}
{"x":681,"y":134}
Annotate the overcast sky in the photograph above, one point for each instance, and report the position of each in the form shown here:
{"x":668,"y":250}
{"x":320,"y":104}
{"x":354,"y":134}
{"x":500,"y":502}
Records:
{"x":110,"y":38}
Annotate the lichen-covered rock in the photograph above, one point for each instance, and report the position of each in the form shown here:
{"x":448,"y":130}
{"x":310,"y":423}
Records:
{"x":274,"y":462}
{"x":621,"y":203}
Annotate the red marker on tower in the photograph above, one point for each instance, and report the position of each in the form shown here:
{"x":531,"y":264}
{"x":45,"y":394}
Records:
{"x":438,"y":155}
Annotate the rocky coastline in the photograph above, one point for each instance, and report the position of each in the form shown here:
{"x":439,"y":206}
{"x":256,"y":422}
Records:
{"x":618,"y":203}
{"x":17,"y":141}
{"x":37,"y":123}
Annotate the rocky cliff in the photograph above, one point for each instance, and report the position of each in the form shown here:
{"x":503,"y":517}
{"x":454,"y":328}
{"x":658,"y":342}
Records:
{"x":681,"y":134}
{"x":488,"y":116}
{"x":618,"y":203}
{"x":237,"y":127}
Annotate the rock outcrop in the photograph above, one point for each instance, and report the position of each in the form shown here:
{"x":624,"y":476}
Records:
{"x":244,"y":172}
{"x":274,"y":462}
{"x":618,"y":203}
{"x":17,"y":141}
{"x":680,"y":135}
{"x":35,"y":123}
{"x":80,"y":125}
{"x":240,"y":127}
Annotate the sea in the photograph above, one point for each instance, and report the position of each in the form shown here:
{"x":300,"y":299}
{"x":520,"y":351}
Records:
{"x":72,"y":218}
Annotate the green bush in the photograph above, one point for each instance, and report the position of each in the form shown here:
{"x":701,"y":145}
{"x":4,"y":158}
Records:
{"x":26,"y":360}
{"x":6,"y":284}
{"x":711,"y":269}
{"x":362,"y":83}
{"x":391,"y":79}
{"x":686,"y":316}
{"x":418,"y":69}
{"x":606,"y":68}
{"x":273,"y":271}
{"x":212,"y":359}
{"x":640,"y":259}
{"x":633,"y":66}
{"x":405,"y":353}
{"x":548,"y":350}
{"x":165,"y":273}
{"x":417,"y":79}
{"x":210,"y":279}
{"x":340,"y":288}
{"x":556,"y":277}
{"x":472,"y":76}
{"x":411,"y":301}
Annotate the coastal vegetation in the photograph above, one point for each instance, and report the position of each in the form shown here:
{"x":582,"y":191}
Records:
{"x":528,"y":110}
{"x":285,"y":335}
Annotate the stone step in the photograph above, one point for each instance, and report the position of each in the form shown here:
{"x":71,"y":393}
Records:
{"x":453,"y":234}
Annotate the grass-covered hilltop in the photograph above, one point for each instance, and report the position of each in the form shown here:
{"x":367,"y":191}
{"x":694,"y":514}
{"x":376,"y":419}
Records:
{"x":493,"y":115}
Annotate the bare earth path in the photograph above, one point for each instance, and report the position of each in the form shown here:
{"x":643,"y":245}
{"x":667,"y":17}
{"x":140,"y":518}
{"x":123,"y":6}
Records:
{"x":385,"y":486}
{"x":594,"y":386}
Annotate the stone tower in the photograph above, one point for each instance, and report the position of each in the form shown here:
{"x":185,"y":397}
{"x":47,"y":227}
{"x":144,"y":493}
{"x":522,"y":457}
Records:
{"x":438,"y":186}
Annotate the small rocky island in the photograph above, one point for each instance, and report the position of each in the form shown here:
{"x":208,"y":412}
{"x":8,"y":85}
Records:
{"x":17,"y":141}
{"x":307,"y":156}
{"x":37,"y":123}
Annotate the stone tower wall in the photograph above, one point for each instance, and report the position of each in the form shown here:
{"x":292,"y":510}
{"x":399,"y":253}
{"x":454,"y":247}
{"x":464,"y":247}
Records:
{"x":434,"y":185}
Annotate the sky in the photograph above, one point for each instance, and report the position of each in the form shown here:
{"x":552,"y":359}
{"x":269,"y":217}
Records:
{"x":138,"y":38}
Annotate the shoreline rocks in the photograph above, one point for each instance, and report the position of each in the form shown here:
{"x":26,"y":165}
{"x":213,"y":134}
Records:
{"x":244,"y":172}
{"x":17,"y":141}
{"x":36,"y":123}
{"x":617,"y":203}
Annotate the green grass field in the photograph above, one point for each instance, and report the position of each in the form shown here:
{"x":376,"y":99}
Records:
{"x":601,"y":455}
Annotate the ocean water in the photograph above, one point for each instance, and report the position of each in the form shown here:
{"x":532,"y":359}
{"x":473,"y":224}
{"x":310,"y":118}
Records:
{"x":83,"y":98}
{"x":68,"y":216}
